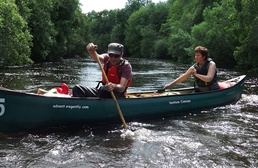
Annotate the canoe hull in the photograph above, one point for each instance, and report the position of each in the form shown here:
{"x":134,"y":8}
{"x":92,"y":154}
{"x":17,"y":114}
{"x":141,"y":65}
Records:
{"x":25,"y":112}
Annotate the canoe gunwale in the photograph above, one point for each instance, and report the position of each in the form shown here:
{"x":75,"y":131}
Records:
{"x":239,"y":79}
{"x":26,"y":111}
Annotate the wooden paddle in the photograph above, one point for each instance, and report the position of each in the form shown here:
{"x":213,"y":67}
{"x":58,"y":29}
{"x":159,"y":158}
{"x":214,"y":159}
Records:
{"x":169,"y":90}
{"x":112,"y":94}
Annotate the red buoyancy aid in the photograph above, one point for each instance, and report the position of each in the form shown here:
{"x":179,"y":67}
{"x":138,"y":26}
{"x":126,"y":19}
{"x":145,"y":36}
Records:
{"x":112,"y":74}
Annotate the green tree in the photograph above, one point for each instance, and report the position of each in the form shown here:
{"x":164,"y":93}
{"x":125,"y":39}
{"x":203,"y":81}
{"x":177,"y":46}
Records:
{"x":182,"y":17}
{"x":42,"y":28}
{"x":142,"y":31}
{"x":246,"y":31}
{"x":133,"y":36}
{"x":118,"y":30}
{"x":161,"y":49}
{"x":78,"y":36}
{"x":215,"y":34}
{"x":117,"y":33}
{"x":148,"y":42}
{"x":134,"y":5}
{"x":180,"y":46}
{"x":15,"y":39}
{"x":66,"y":18}
{"x":102,"y":24}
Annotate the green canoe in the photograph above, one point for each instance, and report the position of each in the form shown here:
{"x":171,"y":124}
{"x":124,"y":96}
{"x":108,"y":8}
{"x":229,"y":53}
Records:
{"x":21,"y":111}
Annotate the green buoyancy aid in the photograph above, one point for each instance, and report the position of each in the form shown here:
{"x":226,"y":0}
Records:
{"x":204,"y":71}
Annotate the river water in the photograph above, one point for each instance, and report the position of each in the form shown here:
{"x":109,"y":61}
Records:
{"x":225,"y":136}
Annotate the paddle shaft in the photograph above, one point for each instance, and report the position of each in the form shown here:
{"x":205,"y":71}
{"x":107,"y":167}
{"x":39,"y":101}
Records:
{"x":112,"y":94}
{"x":179,"y":89}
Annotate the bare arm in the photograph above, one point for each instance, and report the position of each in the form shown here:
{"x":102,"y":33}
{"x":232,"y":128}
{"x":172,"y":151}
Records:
{"x":210,"y":74}
{"x":181,"y":78}
{"x":91,"y":48}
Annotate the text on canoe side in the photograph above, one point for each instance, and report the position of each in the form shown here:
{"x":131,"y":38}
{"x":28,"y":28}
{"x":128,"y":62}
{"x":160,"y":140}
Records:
{"x":180,"y":102}
{"x":63,"y":106}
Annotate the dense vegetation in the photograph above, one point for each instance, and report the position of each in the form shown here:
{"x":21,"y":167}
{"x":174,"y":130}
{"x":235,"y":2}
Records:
{"x":50,"y":30}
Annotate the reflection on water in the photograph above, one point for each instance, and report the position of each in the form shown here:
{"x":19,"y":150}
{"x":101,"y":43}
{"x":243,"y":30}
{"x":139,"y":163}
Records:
{"x":221,"y":137}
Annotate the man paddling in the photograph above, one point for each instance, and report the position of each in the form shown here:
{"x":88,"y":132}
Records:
{"x":117,"y":69}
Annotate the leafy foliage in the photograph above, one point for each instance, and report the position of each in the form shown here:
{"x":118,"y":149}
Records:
{"x":51,"y":30}
{"x":41,"y":28}
{"x":15,"y":39}
{"x":247,"y":34}
{"x":215,"y":33}
{"x":142,"y":31}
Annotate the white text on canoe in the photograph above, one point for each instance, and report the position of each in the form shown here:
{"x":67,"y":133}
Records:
{"x":180,"y":102}
{"x":63,"y":106}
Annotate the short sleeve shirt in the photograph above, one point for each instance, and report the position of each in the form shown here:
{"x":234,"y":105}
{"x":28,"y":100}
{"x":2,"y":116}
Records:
{"x":123,"y":71}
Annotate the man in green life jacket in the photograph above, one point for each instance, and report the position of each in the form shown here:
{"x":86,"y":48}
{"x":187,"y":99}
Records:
{"x":204,"y":71}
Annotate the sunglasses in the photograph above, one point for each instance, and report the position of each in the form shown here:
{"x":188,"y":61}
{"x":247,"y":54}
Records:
{"x":114,"y":55}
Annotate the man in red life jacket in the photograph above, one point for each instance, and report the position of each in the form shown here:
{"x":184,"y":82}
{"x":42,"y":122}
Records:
{"x":118,"y":71}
